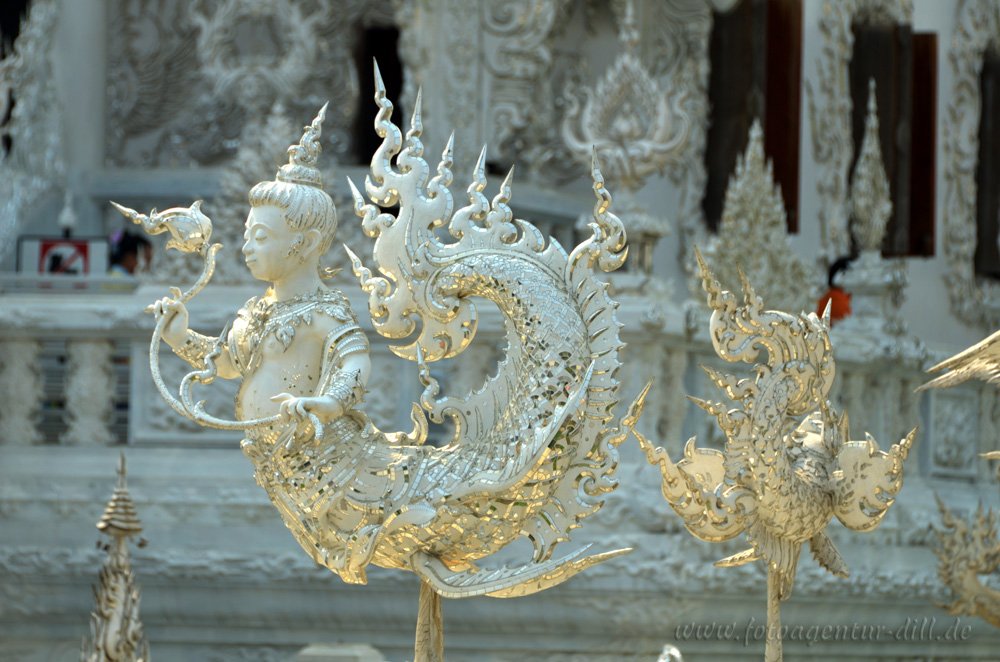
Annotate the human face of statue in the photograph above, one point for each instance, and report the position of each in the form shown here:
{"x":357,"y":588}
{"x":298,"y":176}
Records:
{"x":268,"y":243}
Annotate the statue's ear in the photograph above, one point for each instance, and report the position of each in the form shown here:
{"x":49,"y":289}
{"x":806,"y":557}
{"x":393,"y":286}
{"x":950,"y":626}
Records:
{"x":313,"y":239}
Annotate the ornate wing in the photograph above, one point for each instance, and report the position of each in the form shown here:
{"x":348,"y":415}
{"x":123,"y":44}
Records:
{"x":981,"y":361}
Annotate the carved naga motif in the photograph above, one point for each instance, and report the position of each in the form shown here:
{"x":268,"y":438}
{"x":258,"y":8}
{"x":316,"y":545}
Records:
{"x":788,"y":466}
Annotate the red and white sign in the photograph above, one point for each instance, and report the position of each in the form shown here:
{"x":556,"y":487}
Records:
{"x":60,"y":256}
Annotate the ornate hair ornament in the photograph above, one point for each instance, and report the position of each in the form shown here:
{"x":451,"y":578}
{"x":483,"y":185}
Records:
{"x":302,"y":158}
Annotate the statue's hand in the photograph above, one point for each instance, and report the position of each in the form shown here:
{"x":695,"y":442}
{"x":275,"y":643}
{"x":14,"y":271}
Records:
{"x":325,"y":407}
{"x":175,"y":331}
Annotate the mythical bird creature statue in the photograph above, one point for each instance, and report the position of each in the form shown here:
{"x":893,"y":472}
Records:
{"x":965,"y":551}
{"x":788,"y":466}
{"x":533,"y":449}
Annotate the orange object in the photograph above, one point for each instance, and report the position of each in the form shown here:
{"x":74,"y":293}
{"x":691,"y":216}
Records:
{"x":840,"y":304}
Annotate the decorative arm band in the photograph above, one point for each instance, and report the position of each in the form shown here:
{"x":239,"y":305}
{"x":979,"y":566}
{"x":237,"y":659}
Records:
{"x":346,"y":388}
{"x":195,"y":349}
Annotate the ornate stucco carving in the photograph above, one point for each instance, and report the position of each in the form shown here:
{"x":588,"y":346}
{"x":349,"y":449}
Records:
{"x":35,"y":162}
{"x":675,"y":46}
{"x":637,"y":127}
{"x":955,"y":434}
{"x":974,"y":299}
{"x":830,"y":110}
{"x":519,"y":62}
{"x":183,"y":80}
{"x":753,"y":235}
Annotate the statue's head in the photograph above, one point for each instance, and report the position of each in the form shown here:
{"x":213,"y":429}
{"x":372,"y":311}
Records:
{"x":297,"y":190}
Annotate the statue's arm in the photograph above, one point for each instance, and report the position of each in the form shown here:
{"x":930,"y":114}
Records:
{"x":191,"y":346}
{"x":347,"y":368}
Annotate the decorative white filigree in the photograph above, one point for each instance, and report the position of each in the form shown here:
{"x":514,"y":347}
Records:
{"x":955,"y":434}
{"x":35,"y":162}
{"x":974,"y":299}
{"x":637,"y":127}
{"x":753,"y":235}
{"x":675,"y":47}
{"x":830,"y":122}
{"x":519,"y":64}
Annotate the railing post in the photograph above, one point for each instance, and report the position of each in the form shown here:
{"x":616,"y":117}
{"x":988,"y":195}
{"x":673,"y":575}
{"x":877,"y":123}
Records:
{"x":89,"y":392}
{"x":20,"y":391}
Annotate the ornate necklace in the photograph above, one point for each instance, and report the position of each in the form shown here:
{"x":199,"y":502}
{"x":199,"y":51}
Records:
{"x":282,"y":317}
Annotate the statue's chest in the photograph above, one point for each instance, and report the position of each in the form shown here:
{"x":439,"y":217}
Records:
{"x":278,"y":355}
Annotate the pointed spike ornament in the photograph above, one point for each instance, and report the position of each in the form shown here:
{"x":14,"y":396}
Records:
{"x":116,"y":631}
{"x":303,"y":157}
{"x":869,"y":201}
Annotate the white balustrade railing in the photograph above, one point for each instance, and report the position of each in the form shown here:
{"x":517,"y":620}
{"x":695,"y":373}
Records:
{"x":74,"y":370}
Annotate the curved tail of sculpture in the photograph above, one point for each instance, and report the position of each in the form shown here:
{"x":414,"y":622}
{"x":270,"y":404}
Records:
{"x":533,"y":445}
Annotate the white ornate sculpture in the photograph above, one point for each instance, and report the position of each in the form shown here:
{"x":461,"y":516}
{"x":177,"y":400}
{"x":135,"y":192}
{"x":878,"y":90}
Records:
{"x":870,"y":204}
{"x":637,"y":127}
{"x":789,"y":466}
{"x":534,"y":447}
{"x":116,"y":632}
{"x":876,"y":285}
{"x":753,"y":233}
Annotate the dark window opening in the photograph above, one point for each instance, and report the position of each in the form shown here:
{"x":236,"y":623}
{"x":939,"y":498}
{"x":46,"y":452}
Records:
{"x":381,"y":42}
{"x":12,"y":12}
{"x":904,"y":66}
{"x":755,"y":50}
{"x":988,"y":169}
